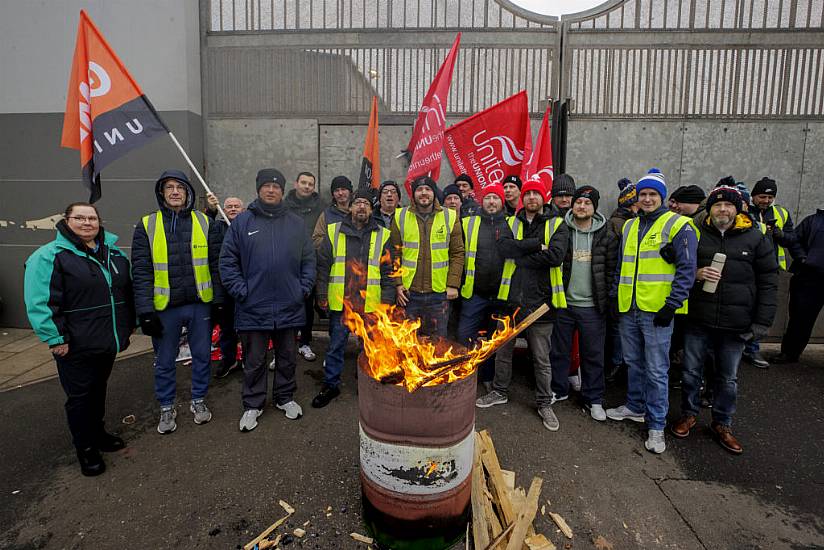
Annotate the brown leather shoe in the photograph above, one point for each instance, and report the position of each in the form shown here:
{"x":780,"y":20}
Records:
{"x":681,"y":429}
{"x":723,"y":435}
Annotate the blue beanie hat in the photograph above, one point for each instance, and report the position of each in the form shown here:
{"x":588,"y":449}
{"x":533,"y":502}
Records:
{"x":653,"y":180}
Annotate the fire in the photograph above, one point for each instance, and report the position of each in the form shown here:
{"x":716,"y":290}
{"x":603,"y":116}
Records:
{"x":432,"y":466}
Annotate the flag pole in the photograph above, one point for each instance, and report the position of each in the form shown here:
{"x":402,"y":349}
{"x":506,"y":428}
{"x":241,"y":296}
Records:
{"x":197,"y":173}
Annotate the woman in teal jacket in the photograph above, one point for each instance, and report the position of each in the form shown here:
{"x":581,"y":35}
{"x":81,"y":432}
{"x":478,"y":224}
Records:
{"x":78,"y":292}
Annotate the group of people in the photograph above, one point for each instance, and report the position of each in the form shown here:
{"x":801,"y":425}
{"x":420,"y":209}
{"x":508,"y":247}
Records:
{"x":632,"y":290}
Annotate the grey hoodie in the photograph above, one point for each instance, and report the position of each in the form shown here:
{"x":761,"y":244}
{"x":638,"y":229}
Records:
{"x":579,"y":292}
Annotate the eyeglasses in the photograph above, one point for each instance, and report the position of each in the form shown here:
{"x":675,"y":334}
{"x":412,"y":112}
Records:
{"x":84,"y":219}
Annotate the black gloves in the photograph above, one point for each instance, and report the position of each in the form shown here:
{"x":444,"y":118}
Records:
{"x":759,"y":331}
{"x":151,"y":325}
{"x":664,"y":316}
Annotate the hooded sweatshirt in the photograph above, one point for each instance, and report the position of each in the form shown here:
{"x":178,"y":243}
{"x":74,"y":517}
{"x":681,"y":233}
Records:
{"x":579,"y":292}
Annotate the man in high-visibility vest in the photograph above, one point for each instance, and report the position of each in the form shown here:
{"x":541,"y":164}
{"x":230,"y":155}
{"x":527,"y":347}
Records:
{"x":428,"y":242}
{"x":354,"y":266}
{"x":175,"y":254}
{"x":656,"y":272}
{"x":531,"y":277}
{"x":484,"y":267}
{"x":780,"y":228}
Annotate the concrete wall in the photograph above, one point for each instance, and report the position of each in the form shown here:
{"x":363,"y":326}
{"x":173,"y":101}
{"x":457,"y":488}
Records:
{"x":159,"y":42}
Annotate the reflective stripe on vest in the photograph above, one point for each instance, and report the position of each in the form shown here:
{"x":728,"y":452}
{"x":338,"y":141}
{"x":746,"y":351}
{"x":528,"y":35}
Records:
{"x":337,"y":275}
{"x":442,"y":224}
{"x":471,"y":228}
{"x":643,"y":271}
{"x":556,"y":275}
{"x":153,"y":224}
{"x":780,"y":214}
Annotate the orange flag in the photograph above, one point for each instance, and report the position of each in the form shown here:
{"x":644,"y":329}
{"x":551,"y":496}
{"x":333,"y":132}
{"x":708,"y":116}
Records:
{"x":107,"y":114}
{"x":370,"y":174}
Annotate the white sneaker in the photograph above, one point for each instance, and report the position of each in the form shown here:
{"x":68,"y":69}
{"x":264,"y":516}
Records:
{"x":655,"y":442}
{"x":306,"y":352}
{"x":623,"y":413}
{"x":557,"y":398}
{"x":292,"y":410}
{"x":273,"y":364}
{"x":248,"y":421}
{"x":575,"y":382}
{"x":596,"y":411}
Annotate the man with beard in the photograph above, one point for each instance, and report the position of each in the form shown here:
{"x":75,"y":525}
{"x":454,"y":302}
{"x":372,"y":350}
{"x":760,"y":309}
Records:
{"x":563,"y":187}
{"x":351,"y":271}
{"x":742,"y":305}
{"x":336,"y":212}
{"x":427,"y":240}
{"x":469,"y":207}
{"x":389,"y":200}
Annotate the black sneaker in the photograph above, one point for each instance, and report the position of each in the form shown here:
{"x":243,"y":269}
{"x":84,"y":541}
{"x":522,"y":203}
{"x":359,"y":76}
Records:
{"x":784,"y":359}
{"x":225,"y":368}
{"x":757,"y":360}
{"x":91,"y":463}
{"x":327,"y":394}
{"x":109,"y":443}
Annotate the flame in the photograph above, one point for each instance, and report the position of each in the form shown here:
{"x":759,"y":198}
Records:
{"x":432,"y":467}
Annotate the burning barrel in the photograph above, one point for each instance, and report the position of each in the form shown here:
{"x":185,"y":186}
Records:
{"x":416,"y":453}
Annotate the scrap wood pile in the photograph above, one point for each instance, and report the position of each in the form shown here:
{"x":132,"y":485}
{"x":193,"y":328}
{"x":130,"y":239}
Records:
{"x":502,"y":514}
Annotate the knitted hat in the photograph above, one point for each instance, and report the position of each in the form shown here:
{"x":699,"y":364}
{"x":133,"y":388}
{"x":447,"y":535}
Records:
{"x":653,"y":180}
{"x":452,"y":189}
{"x":563,"y":185}
{"x":729,"y":181}
{"x":341,"y":182}
{"x":364,"y":193}
{"x":466,"y":178}
{"x":744,"y":190}
{"x":513,"y":179}
{"x":424,"y":180}
{"x":587,"y":192}
{"x":496,"y":189}
{"x":690,"y":194}
{"x":533,"y":185}
{"x":765,"y":186}
{"x":270,"y":175}
{"x":389,"y":183}
{"x":725,"y":193}
{"x":627,"y":195}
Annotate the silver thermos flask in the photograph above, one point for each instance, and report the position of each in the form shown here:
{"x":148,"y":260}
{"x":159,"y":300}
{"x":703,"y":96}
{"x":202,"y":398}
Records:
{"x":718,"y":264}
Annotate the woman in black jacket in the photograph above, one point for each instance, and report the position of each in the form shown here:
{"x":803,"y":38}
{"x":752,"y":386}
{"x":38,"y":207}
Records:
{"x":78,"y":293}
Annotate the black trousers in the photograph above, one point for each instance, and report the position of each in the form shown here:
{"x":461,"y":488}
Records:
{"x":84,"y":377}
{"x":228,"y":337}
{"x":806,"y":301}
{"x":256,"y":371}
{"x":306,"y":330}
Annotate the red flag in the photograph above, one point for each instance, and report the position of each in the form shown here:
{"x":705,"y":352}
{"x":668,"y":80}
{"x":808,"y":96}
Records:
{"x":426,"y":143}
{"x":107,"y":114}
{"x":370,"y":174}
{"x":538,"y":167}
{"x":490,"y":145}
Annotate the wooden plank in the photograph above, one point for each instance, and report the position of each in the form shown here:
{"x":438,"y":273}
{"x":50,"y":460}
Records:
{"x":266,"y":533}
{"x":509,"y":478}
{"x":526,"y":515}
{"x":480,"y":526}
{"x":496,"y":478}
{"x":562,"y":524}
{"x":538,"y":542}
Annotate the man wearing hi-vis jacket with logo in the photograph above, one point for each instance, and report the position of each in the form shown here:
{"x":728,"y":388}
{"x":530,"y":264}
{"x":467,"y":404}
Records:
{"x":654,"y":278}
{"x":175,"y":254}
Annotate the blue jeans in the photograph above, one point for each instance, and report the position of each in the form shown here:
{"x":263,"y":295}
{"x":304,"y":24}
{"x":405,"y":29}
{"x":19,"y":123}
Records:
{"x":727,"y":348}
{"x":752,"y":347}
{"x":196,"y":319}
{"x":646,"y":353}
{"x":475,"y":316}
{"x":591,"y":326}
{"x":338,"y":334}
{"x":432,"y":309}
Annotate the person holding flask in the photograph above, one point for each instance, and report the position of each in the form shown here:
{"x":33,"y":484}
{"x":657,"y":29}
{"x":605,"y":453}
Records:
{"x":733,"y":301}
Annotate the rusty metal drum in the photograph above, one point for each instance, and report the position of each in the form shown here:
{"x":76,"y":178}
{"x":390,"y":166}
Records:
{"x":416,"y":453}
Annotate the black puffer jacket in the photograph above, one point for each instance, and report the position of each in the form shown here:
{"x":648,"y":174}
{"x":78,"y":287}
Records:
{"x":489,"y":263}
{"x":178,"y":228}
{"x":747,"y":292}
{"x":604,"y":261}
{"x":309,"y":209}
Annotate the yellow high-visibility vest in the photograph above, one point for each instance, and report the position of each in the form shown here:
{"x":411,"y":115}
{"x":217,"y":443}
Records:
{"x":442,"y":225}
{"x":337,"y":275}
{"x":153,"y":223}
{"x":471,"y":228}
{"x":781,"y":215}
{"x":556,"y":274}
{"x":643,"y":271}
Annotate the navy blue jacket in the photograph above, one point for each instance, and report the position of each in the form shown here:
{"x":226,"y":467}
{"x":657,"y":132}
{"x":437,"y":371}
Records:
{"x":267,"y":265}
{"x":178,"y":228}
{"x":809,"y":236}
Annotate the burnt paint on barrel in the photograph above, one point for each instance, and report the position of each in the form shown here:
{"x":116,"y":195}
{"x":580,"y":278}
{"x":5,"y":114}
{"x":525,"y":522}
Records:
{"x":416,"y":460}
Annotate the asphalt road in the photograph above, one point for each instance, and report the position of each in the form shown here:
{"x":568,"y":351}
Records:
{"x":212,"y":487}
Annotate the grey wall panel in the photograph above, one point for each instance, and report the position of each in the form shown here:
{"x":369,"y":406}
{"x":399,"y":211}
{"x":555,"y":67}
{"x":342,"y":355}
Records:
{"x":599,"y":153}
{"x":238,"y":148}
{"x":747,"y":151}
{"x":812,"y":184}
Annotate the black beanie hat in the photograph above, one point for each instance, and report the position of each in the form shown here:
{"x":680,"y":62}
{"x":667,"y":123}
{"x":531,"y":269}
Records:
{"x":390,"y":183}
{"x":765,"y":186}
{"x":341,"y":182}
{"x":513,"y":179}
{"x":726,"y":193}
{"x":452,"y":189}
{"x":424,"y":180}
{"x":690,"y":194}
{"x":365,"y":193}
{"x":563,"y":185}
{"x":467,"y":179}
{"x":587,"y":192}
{"x":270,"y":175}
